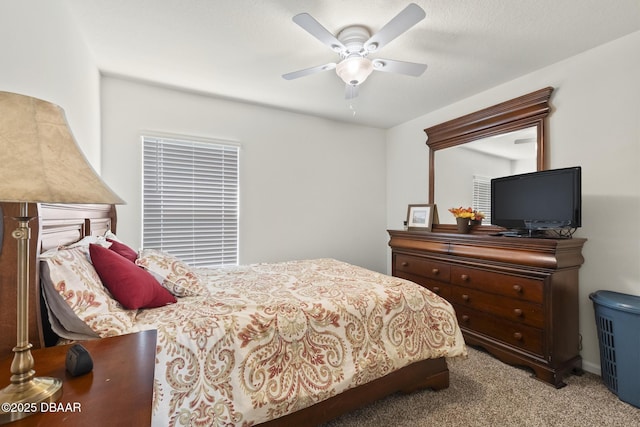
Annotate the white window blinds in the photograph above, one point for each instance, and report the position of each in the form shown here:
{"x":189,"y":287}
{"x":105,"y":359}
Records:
{"x":190,"y":200}
{"x":482,"y":197}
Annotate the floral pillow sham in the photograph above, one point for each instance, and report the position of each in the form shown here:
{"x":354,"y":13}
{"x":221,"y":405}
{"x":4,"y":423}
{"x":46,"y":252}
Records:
{"x":81,"y":306}
{"x":175,"y":275}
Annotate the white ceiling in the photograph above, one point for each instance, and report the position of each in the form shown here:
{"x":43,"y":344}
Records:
{"x":239,"y":49}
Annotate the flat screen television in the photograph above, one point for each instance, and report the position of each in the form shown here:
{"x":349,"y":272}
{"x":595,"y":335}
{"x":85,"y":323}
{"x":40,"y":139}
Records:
{"x":543,"y":200}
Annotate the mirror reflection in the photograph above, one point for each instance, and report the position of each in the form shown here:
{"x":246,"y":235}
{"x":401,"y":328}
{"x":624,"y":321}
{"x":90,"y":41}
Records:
{"x":464,"y":172}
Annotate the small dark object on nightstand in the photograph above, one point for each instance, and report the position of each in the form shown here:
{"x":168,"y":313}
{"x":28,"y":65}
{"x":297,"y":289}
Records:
{"x":78,"y":361}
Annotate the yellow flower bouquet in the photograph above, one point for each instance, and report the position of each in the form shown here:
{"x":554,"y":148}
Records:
{"x":462,"y":212}
{"x":477,"y":215}
{"x":467,"y":213}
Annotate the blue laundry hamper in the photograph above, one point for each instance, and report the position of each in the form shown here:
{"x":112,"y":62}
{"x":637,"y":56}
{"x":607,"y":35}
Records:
{"x":618,"y":323}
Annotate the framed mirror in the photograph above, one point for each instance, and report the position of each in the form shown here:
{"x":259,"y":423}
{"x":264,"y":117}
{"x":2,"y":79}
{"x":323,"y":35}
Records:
{"x":467,"y":152}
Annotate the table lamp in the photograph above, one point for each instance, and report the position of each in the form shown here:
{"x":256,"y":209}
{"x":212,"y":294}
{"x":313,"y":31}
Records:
{"x":40,"y":162}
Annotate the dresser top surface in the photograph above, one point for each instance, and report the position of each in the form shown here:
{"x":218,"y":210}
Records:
{"x":534,"y":252}
{"x":489,"y":240}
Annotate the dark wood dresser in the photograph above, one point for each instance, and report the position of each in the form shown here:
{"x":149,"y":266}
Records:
{"x":515,"y":297}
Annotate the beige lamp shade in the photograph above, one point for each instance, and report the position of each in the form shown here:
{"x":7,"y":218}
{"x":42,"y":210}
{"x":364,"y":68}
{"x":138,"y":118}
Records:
{"x":40,"y":160}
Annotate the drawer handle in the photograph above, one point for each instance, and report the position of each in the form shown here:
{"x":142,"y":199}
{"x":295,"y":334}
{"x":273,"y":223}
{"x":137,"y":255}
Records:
{"x":518,"y":336}
{"x":436,"y":289}
{"x":464,"y":277}
{"x":517,"y":288}
{"x":405,"y":264}
{"x":517,"y":312}
{"x":465,"y":297}
{"x":465,"y":318}
{"x":435,"y":271}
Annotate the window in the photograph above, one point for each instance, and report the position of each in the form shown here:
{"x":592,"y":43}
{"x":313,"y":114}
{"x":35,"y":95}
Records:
{"x":482,"y":197}
{"x":190,"y":199}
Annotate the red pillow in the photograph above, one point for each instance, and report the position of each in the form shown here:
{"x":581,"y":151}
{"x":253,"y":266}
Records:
{"x":123,"y":250}
{"x":132,"y":286}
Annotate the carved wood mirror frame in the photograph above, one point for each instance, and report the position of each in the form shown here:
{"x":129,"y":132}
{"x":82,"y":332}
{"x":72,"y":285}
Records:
{"x":518,"y":113}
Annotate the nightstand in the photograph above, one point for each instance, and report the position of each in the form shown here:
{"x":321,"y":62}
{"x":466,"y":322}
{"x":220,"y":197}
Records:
{"x":119,"y":390}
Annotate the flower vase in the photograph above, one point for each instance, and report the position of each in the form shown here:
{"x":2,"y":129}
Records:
{"x":463,"y":225}
{"x":476,"y":222}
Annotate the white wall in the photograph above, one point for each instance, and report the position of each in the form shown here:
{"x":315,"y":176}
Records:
{"x":595,"y":123}
{"x":43,"y":56}
{"x":309,"y":187}
{"x":456,"y":169}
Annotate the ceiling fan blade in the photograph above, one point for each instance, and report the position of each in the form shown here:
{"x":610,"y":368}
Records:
{"x":406,"y":19}
{"x":313,"y":27}
{"x":350,"y":91}
{"x":307,"y":71}
{"x":400,"y":67}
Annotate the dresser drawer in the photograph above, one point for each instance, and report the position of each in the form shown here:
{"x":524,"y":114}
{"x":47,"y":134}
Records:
{"x":512,"y":309}
{"x":499,"y":283}
{"x":439,"y":288}
{"x":518,"y":335}
{"x":422,"y":267}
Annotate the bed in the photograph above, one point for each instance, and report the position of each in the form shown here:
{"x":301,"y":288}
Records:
{"x":290,"y":343}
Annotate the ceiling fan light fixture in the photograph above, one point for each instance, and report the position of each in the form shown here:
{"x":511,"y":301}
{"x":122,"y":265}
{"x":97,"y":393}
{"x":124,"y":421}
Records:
{"x":372,"y":47}
{"x":354,"y":70}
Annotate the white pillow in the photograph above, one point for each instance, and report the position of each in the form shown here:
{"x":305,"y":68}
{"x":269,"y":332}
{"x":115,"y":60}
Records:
{"x":110,"y":235}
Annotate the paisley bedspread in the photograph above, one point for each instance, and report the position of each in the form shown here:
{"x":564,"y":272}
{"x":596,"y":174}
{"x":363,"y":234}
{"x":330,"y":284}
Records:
{"x":265,"y":340}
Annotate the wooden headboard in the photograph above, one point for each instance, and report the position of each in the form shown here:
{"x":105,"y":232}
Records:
{"x":53,"y":225}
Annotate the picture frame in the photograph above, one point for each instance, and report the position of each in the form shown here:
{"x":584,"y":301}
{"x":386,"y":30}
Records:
{"x":420,"y":217}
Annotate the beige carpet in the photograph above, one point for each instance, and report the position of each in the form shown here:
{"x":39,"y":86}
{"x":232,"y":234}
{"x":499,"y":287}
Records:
{"x":486,"y":392}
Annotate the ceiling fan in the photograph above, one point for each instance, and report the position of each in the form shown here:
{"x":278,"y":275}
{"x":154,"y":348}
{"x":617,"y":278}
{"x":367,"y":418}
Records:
{"x":355,"y":43}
